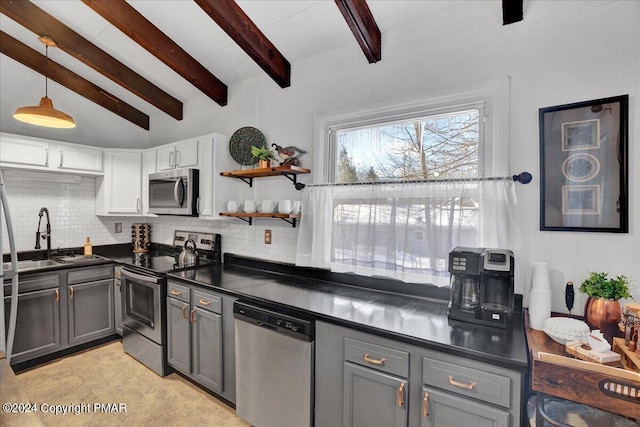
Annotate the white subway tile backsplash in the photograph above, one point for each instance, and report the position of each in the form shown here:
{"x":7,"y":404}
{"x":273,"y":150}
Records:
{"x":72,"y":210}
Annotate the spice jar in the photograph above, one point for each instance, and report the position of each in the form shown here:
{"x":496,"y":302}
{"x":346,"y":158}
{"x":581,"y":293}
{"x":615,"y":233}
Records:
{"x":629,"y":323}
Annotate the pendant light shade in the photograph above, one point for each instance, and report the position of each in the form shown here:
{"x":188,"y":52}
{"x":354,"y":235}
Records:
{"x":44,"y":114}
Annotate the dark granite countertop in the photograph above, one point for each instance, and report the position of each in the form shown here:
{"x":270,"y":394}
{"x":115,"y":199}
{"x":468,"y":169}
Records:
{"x":409,"y":319}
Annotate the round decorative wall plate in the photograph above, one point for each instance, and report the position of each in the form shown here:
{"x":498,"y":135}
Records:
{"x":241,"y":142}
{"x":580,"y":167}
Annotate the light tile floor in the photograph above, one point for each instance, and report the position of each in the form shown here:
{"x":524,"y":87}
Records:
{"x":107,"y":375}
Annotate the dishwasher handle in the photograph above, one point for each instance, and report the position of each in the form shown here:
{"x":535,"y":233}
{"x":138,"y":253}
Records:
{"x":276,"y":321}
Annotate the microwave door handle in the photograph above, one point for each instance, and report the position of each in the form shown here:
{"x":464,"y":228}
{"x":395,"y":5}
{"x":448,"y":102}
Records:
{"x":176,"y":192}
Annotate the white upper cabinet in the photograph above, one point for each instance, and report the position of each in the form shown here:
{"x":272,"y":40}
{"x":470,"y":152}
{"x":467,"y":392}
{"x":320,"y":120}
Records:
{"x":183,"y":154}
{"x":22,"y":152}
{"x":79,"y":158}
{"x":119,"y":191}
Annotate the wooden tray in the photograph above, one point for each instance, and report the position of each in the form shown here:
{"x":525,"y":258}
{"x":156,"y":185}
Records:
{"x":612,"y":389}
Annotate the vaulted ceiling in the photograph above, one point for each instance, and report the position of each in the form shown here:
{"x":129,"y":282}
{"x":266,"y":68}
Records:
{"x":141,"y":58}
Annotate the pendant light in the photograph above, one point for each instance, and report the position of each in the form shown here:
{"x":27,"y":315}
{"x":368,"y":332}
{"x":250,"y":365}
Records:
{"x":44,"y":114}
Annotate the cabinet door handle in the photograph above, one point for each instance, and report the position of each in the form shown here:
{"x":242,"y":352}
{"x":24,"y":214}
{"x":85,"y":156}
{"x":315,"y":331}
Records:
{"x":71,"y":292}
{"x":198,"y":205}
{"x":57,"y":292}
{"x":204,"y":302}
{"x":401,"y":395}
{"x":171,"y":164}
{"x":374,"y":361}
{"x":455,"y":383}
{"x":193,"y":316}
{"x":184,"y":311}
{"x":138,"y":205}
{"x":61,"y":153}
{"x":425,"y":405}
{"x":177,"y":158}
{"x":46,"y":157}
{"x":174,"y":292}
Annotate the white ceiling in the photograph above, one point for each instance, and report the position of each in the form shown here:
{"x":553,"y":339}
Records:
{"x":299,"y":29}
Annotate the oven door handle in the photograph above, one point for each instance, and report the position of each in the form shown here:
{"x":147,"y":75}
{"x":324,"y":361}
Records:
{"x":140,"y":277}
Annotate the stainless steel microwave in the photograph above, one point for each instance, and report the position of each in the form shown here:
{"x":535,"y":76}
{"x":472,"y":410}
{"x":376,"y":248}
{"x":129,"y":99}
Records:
{"x":174,"y":192}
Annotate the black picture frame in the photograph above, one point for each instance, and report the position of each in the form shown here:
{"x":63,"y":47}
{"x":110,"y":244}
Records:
{"x":584,"y":166}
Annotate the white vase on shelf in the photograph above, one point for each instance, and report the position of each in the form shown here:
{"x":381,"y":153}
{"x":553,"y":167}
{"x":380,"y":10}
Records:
{"x":539,"y":296}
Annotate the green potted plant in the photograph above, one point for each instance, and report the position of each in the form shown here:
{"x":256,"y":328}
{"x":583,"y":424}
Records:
{"x":263,"y":155}
{"x":603,"y":310}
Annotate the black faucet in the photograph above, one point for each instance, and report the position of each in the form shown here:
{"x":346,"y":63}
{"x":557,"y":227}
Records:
{"x":45,"y":235}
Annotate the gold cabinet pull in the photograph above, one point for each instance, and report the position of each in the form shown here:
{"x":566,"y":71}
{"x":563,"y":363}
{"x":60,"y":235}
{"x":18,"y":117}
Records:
{"x":71,"y":292}
{"x":455,"y":383}
{"x":184,"y":311}
{"x":374,"y":361}
{"x":176,"y":293}
{"x":401,"y":395}
{"x":425,"y":405}
{"x":204,"y":302}
{"x":193,"y":316}
{"x":57,"y":292}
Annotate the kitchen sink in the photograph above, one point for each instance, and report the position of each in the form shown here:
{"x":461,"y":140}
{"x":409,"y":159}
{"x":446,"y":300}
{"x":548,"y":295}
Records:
{"x":29,"y":264}
{"x":77,"y":258}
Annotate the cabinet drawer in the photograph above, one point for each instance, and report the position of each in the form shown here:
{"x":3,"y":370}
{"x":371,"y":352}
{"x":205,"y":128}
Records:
{"x":375,"y":356}
{"x":207,"y":301}
{"x":92,"y":274}
{"x":179,"y":292}
{"x":469,"y":379}
{"x":34,"y":283}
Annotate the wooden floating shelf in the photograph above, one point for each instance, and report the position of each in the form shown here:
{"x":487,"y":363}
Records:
{"x":289,"y":172}
{"x":248,"y":217}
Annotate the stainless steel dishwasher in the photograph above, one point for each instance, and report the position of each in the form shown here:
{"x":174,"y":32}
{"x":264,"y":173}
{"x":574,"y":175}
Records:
{"x":274,"y":367}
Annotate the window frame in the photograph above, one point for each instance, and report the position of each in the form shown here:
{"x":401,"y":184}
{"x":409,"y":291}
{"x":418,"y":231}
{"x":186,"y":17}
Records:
{"x":493,"y":153}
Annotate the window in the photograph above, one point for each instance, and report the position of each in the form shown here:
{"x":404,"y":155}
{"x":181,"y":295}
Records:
{"x":442,"y":145}
{"x":395,"y":205}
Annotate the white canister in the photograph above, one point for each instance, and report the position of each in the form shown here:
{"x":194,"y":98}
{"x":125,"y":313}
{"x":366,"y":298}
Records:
{"x":539,"y":296}
{"x":249,"y":206}
{"x":232,"y":206}
{"x":268,"y":206}
{"x":295,"y":209}
{"x":284,"y":206}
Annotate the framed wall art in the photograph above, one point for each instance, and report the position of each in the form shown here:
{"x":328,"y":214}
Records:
{"x":584,"y":166}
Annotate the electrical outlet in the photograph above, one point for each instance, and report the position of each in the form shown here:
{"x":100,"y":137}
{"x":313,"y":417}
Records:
{"x":118,"y":227}
{"x":267,"y":237}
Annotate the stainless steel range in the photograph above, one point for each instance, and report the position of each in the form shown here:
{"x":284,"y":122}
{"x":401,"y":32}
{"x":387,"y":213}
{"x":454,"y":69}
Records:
{"x":144,"y":291}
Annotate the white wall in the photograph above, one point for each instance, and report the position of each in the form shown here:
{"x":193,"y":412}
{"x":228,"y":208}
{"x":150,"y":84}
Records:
{"x":563,"y":52}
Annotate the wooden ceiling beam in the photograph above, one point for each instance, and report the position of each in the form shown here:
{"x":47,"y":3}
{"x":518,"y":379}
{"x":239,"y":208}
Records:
{"x":131,"y":22}
{"x":41,"y":23}
{"x":512,"y":11}
{"x":36,"y":61}
{"x":232,"y":19}
{"x":363,"y":26}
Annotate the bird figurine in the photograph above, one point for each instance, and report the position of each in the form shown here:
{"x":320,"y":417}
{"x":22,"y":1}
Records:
{"x":289,"y":155}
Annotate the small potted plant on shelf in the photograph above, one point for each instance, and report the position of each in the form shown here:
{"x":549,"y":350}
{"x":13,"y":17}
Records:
{"x":603,"y":310}
{"x":264,"y":156}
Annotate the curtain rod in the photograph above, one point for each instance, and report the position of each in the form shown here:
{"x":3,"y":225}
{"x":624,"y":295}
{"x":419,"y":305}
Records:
{"x":523,"y":178}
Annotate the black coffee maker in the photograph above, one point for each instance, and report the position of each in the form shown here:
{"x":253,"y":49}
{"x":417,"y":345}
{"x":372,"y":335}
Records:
{"x":481,"y":288}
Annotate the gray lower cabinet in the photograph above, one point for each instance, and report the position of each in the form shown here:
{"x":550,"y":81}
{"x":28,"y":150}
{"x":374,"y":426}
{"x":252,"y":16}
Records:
{"x":60,"y":309}
{"x":362,"y":379}
{"x":446,"y":409}
{"x":194,"y":334}
{"x":37,"y":324}
{"x":90,"y":311}
{"x":373,"y":399}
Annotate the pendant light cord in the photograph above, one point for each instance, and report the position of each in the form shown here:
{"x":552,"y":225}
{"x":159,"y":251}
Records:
{"x":46,"y":80}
